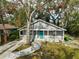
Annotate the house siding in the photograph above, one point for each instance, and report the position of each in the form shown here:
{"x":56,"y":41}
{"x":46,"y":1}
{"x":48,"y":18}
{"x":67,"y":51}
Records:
{"x":51,"y":33}
{"x":52,"y":38}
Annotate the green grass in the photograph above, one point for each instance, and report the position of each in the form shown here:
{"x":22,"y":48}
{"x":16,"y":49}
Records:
{"x":22,"y":47}
{"x":53,"y":51}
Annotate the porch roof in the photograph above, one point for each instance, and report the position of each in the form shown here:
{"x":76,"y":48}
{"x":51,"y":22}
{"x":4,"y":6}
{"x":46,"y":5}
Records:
{"x":7,"y":26}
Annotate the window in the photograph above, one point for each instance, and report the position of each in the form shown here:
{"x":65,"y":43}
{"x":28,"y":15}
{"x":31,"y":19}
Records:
{"x":59,"y":33}
{"x":45,"y":32}
{"x":23,"y":32}
{"x":52,"y":33}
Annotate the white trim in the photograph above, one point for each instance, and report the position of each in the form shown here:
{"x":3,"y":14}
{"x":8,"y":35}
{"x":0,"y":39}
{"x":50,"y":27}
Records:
{"x":63,"y":36}
{"x":39,"y":20}
{"x":55,"y":36}
{"x":46,"y":29}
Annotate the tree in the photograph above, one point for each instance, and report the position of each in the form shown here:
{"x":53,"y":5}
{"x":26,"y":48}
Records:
{"x":2,"y":13}
{"x":73,"y":25}
{"x":4,"y":10}
{"x":69,"y":8}
{"x":30,"y":11}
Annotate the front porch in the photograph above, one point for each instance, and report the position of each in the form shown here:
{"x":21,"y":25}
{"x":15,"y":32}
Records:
{"x":44,"y":35}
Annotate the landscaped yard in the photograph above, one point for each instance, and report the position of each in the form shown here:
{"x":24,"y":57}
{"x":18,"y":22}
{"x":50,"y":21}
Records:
{"x":22,"y":47}
{"x":54,"y":51}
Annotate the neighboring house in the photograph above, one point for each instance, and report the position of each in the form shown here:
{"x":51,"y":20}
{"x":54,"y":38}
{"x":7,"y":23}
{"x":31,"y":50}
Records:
{"x":42,"y":30}
{"x":8,"y":27}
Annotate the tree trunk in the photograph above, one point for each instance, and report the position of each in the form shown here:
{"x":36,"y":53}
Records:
{"x":2,"y":12}
{"x":4,"y":31}
{"x":28,"y":27}
{"x":29,"y":17}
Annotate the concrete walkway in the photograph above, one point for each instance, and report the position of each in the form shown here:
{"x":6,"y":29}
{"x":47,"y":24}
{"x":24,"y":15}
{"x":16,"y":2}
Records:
{"x":9,"y":55}
{"x":3,"y":48}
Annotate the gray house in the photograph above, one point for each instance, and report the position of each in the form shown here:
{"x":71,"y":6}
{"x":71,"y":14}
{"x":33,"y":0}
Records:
{"x":44,"y":31}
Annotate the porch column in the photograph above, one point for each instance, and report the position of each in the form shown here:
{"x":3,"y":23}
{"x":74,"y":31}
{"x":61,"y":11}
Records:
{"x":63,"y":37}
{"x":0,"y":38}
{"x":43,"y":34}
{"x":32,"y":33}
{"x":55,"y":36}
{"x":36,"y":35}
{"x":47,"y":34}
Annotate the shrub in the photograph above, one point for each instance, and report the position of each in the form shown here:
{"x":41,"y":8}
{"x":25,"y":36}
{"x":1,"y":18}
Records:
{"x":73,"y":25}
{"x":67,"y":38}
{"x":76,"y":54}
{"x":14,"y":34}
{"x":54,"y":51}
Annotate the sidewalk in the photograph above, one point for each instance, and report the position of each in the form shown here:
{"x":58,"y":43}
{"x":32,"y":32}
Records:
{"x":26,"y":51}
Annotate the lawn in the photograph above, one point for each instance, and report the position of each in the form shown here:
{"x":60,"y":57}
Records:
{"x":22,"y":47}
{"x":54,"y":51}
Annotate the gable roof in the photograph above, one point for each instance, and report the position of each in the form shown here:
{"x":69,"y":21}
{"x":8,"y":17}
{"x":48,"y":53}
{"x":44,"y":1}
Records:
{"x":39,"y":20}
{"x":7,"y":26}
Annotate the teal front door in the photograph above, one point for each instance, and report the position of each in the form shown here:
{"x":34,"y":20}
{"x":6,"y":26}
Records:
{"x":41,"y":34}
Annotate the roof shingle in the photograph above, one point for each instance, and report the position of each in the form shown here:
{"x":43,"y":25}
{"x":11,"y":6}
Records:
{"x":7,"y":26}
